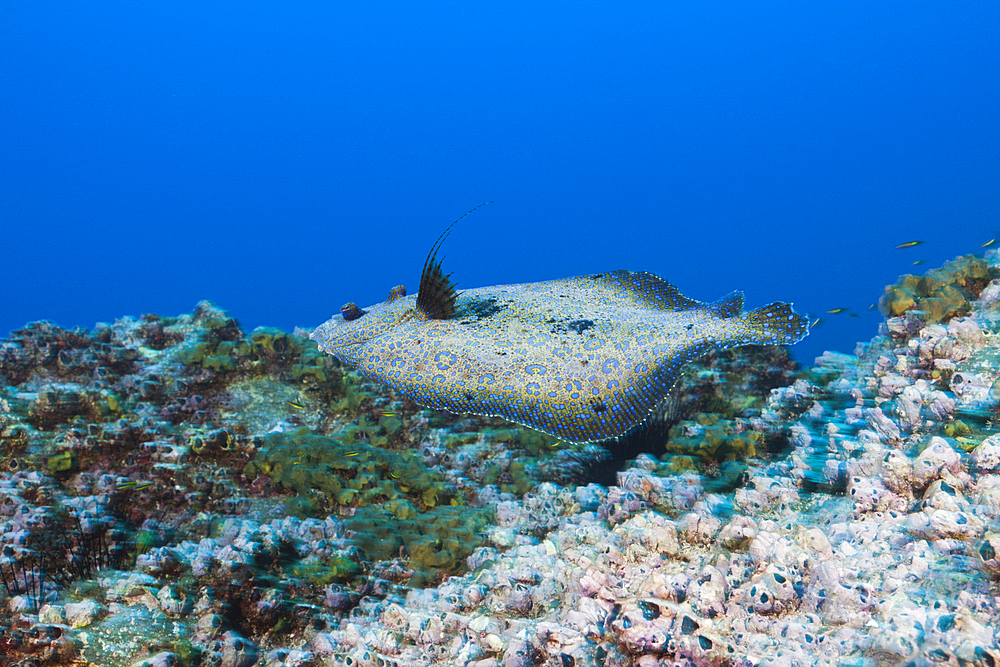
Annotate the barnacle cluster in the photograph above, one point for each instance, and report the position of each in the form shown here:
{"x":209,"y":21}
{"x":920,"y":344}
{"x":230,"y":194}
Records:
{"x":179,"y":492}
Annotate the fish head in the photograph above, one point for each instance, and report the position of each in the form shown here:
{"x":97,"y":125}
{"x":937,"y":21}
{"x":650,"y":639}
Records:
{"x":346,"y":335}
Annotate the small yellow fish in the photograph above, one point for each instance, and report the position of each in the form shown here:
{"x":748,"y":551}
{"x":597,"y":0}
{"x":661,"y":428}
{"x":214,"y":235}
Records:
{"x":295,"y":405}
{"x":354,"y":453}
{"x":836,"y":311}
{"x":871,"y":307}
{"x":388,"y":414}
{"x":919,"y":262}
{"x":988,"y":243}
{"x":393,"y":475}
{"x":134,"y":484}
{"x":818,"y":322}
{"x":909,"y":244}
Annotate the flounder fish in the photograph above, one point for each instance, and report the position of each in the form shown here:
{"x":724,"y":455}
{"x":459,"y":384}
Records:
{"x":584,"y":359}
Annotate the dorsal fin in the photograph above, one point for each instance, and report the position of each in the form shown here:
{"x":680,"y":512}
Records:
{"x":730,"y":305}
{"x":651,"y":290}
{"x":436,"y":294}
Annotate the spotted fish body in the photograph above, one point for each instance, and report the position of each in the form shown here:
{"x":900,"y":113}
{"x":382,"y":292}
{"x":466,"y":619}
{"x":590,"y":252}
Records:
{"x":584,"y":359}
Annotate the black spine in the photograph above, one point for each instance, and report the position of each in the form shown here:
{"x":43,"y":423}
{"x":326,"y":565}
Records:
{"x":437,"y":294}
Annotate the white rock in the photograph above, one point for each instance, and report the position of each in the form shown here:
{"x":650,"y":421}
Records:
{"x":869,"y":493}
{"x":909,"y":404}
{"x":935,"y":458}
{"x":986,"y":456}
{"x":936,"y":524}
{"x":897,"y":473}
{"x":941,"y":495}
{"x":885,"y":428}
{"x":768,"y":547}
{"x":83,"y":613}
{"x":972,"y":390}
{"x":817,"y":541}
{"x":739,"y":530}
{"x":52,"y":615}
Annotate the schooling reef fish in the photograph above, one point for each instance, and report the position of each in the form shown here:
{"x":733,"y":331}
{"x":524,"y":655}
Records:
{"x":584,"y":359}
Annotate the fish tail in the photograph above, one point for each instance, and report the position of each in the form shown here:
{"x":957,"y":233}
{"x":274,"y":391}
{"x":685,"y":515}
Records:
{"x":775,"y":324}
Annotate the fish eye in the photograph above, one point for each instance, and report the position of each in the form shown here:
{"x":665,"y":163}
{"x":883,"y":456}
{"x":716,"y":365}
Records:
{"x":350,"y":311}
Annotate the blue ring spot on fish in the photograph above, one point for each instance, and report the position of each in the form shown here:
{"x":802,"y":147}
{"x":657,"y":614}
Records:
{"x":445,"y":360}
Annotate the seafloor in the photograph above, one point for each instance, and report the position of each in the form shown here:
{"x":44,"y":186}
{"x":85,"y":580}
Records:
{"x":176,"y":491}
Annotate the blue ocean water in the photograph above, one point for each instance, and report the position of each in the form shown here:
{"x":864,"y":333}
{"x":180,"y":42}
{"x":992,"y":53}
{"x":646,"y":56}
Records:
{"x":281,"y":159}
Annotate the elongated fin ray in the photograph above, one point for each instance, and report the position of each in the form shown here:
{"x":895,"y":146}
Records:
{"x":436,"y":294}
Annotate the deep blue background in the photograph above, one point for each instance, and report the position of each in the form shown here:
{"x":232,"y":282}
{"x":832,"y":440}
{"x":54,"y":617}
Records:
{"x":283,"y":158}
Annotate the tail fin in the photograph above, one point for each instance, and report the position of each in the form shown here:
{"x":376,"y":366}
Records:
{"x":776,"y":324}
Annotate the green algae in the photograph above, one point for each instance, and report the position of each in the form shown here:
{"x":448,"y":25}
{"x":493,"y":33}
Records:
{"x":346,"y":471}
{"x":536,"y":443}
{"x":518,"y":479}
{"x":323,"y":572}
{"x":62,"y":463}
{"x":391,"y":500}
{"x":436,"y":541}
{"x":187,"y":653}
{"x":710,"y":437}
{"x":222,"y":348}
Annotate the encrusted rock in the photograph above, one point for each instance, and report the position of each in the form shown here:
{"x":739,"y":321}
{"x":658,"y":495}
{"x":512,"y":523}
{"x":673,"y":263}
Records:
{"x":986,"y":456}
{"x":83,"y":613}
{"x":936,"y":457}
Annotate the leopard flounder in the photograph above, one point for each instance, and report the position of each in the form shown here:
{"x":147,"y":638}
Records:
{"x":584,"y":359}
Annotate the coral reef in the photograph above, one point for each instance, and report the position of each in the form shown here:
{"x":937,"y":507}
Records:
{"x":174,"y":491}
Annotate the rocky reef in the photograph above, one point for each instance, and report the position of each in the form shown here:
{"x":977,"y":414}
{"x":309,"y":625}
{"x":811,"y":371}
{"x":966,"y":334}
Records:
{"x":176,"y":491}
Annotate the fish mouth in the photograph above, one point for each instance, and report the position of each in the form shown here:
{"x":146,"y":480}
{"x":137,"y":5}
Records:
{"x":327,"y":341}
{"x":332,"y":348}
